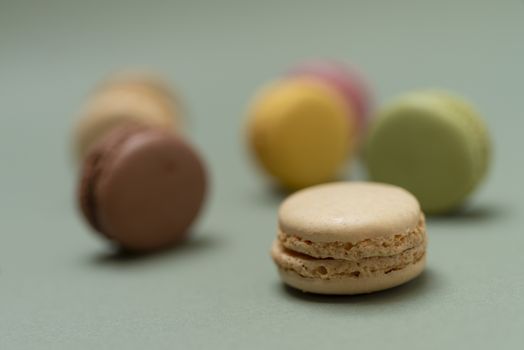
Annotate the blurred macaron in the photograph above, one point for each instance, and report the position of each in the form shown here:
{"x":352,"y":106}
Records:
{"x":142,"y":188}
{"x":298,"y":132}
{"x":136,"y":97}
{"x":347,"y":80}
{"x":432,"y":143}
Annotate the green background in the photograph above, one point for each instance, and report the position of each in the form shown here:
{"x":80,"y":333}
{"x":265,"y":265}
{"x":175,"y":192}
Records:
{"x":60,"y":286}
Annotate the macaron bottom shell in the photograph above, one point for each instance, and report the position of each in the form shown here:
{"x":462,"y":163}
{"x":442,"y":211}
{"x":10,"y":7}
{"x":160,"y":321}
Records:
{"x":352,"y":285}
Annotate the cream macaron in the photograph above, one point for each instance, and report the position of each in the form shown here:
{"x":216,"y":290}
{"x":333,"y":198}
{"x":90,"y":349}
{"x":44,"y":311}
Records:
{"x":350,"y":238}
{"x":136,"y":97}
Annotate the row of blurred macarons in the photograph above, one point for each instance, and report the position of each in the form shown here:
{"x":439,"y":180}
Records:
{"x":306,"y":126}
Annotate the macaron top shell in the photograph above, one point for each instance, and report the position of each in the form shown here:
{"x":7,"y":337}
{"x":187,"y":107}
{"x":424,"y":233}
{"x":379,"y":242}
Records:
{"x":142,"y":188}
{"x":298,"y":130}
{"x":346,"y":81}
{"x":349,"y":212}
{"x":432,"y":144}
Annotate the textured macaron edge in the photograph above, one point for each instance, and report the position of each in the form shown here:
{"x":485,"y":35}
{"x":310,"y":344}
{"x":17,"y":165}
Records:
{"x":352,"y":285}
{"x":330,"y":268}
{"x":393,"y":244}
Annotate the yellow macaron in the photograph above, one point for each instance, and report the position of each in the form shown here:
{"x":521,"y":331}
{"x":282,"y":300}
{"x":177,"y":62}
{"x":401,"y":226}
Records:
{"x":300,"y":132}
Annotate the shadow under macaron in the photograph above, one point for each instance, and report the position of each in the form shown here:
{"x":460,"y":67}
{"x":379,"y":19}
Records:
{"x":193,"y":244}
{"x":422,"y":285}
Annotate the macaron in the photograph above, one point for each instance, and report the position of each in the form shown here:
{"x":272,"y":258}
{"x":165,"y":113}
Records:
{"x":344,"y":79}
{"x":126,"y":97}
{"x":432,"y":143}
{"x":350,"y":238}
{"x":298,"y":132}
{"x":141,"y":187}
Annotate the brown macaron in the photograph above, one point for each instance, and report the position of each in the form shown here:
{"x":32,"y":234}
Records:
{"x":142,"y":187}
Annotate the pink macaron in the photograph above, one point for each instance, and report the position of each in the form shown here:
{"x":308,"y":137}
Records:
{"x":347,"y":81}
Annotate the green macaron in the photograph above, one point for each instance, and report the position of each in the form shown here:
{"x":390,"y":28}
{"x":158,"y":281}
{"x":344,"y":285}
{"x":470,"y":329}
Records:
{"x":433,"y":144}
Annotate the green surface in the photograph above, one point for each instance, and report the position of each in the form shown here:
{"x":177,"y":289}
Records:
{"x":60,"y":288}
